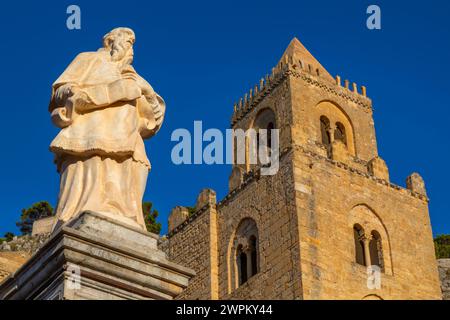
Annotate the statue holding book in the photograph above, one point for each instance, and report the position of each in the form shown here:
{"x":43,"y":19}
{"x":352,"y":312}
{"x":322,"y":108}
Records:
{"x":105,"y":110}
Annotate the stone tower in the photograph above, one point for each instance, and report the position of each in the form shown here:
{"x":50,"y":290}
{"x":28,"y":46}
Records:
{"x":312,"y":230}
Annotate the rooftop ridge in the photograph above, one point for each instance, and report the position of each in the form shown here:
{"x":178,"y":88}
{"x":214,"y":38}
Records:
{"x":296,"y":51}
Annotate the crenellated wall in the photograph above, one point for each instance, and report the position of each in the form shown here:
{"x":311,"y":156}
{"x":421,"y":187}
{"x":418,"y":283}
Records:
{"x":193,"y":242}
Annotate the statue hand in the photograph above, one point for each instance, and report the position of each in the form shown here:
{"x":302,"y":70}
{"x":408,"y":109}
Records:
{"x":132,"y":90}
{"x":63,"y":93}
{"x":130,"y":75}
{"x":61,"y":117}
{"x":146,"y":88}
{"x":80,"y":100}
{"x":123,"y":90}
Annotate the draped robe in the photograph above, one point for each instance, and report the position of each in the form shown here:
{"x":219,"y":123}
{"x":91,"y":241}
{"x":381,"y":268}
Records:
{"x":99,"y":151}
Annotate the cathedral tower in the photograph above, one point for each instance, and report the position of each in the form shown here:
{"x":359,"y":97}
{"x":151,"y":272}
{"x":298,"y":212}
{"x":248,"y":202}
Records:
{"x":329,"y":224}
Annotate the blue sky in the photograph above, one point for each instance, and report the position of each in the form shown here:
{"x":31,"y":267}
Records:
{"x":203,"y":56}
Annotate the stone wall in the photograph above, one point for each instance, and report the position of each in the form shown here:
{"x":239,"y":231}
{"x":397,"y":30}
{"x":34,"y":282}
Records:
{"x":194,"y":245}
{"x":43,"y":226}
{"x":444,"y":273}
{"x":334,"y":193}
{"x":27,"y":243}
{"x":330,"y":201}
{"x":269,"y":202}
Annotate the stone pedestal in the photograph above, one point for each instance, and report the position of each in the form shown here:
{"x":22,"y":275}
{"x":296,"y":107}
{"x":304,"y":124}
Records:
{"x":94,"y":257}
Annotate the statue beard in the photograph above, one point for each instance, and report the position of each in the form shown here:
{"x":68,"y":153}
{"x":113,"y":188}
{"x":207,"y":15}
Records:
{"x":117,"y":53}
{"x":121,"y":57}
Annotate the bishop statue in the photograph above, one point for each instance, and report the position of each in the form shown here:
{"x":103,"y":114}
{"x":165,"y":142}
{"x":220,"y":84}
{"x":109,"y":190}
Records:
{"x":105,"y":110}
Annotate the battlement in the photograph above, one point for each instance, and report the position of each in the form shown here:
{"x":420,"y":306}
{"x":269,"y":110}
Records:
{"x":291,"y":65}
{"x":258,"y":92}
{"x":354,"y":88}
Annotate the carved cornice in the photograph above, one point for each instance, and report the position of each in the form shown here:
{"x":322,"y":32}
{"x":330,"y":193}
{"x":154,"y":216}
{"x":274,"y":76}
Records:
{"x":332,"y":88}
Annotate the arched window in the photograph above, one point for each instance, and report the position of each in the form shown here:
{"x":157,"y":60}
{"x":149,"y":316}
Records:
{"x":325,"y":130}
{"x":375,"y":246}
{"x":264,"y":120}
{"x":242,"y":265}
{"x":339,"y":133}
{"x":376,"y":251}
{"x":360,"y":256}
{"x":337,"y":118}
{"x":246,"y":253}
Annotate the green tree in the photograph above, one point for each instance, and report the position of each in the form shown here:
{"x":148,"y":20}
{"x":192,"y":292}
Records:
{"x":37,"y":211}
{"x":9,"y":236}
{"x":442,"y":246}
{"x":150,"y":218}
{"x":191,"y":210}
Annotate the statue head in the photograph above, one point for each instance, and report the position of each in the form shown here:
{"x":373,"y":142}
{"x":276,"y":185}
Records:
{"x":119,"y":43}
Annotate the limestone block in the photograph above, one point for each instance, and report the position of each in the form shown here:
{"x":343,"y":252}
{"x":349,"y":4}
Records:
{"x":377,"y":167}
{"x":206,"y":196}
{"x":339,"y":151}
{"x":94,"y":257}
{"x":43,"y":226}
{"x":177,"y":216}
{"x":416,"y":184}
{"x":236,"y":178}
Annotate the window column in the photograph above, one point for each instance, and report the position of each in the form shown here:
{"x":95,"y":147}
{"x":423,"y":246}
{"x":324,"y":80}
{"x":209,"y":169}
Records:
{"x":366,"y":240}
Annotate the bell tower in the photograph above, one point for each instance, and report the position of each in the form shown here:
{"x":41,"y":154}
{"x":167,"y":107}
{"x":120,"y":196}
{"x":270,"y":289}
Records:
{"x":313,"y":110}
{"x":349,"y":217}
{"x":327,"y":219}
{"x":330,"y":118}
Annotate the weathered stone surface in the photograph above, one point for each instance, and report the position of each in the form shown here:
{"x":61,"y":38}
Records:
{"x":378,"y":168}
{"x":27,"y":243}
{"x":444,"y":274}
{"x":416,"y":184}
{"x":205,"y":197}
{"x":177,"y":216}
{"x":43,"y":226}
{"x":95,"y":257}
{"x":236,"y":178}
{"x":15,"y":253}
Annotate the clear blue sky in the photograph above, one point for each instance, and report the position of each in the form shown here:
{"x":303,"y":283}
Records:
{"x":202,"y":56}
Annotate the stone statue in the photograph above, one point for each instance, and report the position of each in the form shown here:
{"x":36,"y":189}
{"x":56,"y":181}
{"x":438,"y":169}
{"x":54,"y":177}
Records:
{"x":105,"y":110}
